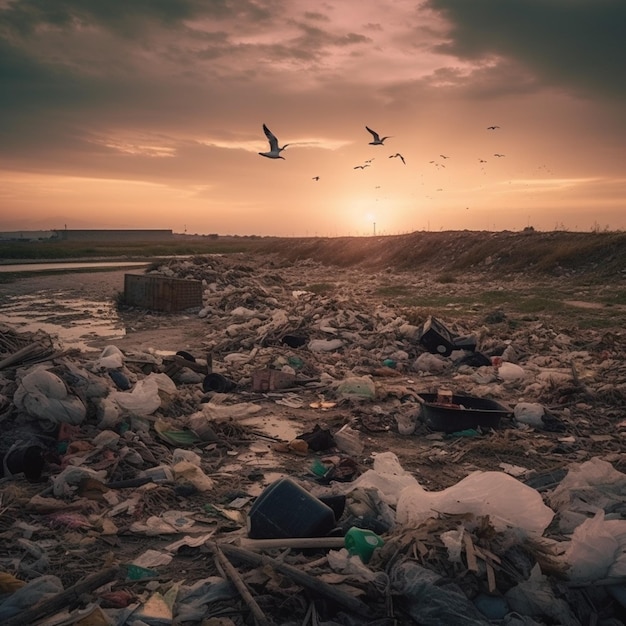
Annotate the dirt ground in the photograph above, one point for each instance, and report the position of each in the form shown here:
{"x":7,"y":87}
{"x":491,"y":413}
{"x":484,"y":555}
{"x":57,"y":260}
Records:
{"x":588,"y":407}
{"x":431,"y":453}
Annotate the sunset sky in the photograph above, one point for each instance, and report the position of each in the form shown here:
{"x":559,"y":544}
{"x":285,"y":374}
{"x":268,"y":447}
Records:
{"x":149,"y":114}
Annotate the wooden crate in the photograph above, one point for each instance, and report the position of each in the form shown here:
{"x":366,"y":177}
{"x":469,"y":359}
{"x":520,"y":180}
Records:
{"x":160,"y":293}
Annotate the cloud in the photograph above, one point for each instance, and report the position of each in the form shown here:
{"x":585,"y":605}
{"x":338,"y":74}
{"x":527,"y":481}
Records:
{"x":578,"y":44}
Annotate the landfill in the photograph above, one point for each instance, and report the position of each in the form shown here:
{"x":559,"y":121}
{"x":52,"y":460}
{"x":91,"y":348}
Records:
{"x":287,"y":469}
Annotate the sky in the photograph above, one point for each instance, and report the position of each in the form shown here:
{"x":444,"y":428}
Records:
{"x":150,"y":113}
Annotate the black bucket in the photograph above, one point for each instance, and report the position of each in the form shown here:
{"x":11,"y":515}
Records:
{"x":219,"y":383}
{"x":462,"y":413}
{"x":27,"y":459}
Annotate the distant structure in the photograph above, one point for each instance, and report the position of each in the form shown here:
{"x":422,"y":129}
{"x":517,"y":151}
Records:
{"x":27,"y":235}
{"x":114,"y":235}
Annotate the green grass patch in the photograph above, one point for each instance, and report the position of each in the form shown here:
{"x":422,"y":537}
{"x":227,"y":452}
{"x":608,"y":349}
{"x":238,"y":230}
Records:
{"x":321,"y":288}
{"x":614,"y":297}
{"x":48,"y":250}
{"x":394,"y":291}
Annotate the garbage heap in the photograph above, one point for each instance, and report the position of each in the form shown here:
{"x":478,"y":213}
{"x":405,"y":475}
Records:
{"x":142,"y":488}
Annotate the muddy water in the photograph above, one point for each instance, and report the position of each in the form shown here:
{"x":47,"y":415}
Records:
{"x":76,"y":308}
{"x":72,"y":320}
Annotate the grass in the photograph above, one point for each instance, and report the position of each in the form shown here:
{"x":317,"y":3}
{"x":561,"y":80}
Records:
{"x":54,"y":250}
{"x":321,"y":288}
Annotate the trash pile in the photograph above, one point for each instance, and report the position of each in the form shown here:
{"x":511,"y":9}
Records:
{"x":430,"y":471}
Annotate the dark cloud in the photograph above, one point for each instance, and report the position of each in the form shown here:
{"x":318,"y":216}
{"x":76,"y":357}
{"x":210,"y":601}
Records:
{"x":577,"y":44}
{"x":122,"y":16}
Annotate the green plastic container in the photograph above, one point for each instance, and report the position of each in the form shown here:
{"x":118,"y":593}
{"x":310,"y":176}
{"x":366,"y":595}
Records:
{"x":362,"y":543}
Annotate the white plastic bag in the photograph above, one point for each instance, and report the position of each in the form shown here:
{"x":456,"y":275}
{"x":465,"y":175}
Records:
{"x":144,"y":398}
{"x":43,"y":395}
{"x":595,"y":549}
{"x":507,"y":501}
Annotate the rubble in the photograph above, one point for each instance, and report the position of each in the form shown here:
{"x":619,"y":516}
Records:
{"x":149,"y":466}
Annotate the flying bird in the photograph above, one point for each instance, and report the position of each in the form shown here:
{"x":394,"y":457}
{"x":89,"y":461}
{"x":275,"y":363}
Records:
{"x":492,"y":127}
{"x":498,"y":155}
{"x":443,"y":156}
{"x":397,"y":154}
{"x":378,"y":141}
{"x":316,"y":177}
{"x":360,"y":167}
{"x":275,"y":149}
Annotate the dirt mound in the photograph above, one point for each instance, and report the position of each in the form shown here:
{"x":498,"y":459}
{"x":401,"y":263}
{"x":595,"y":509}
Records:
{"x":596,"y":254}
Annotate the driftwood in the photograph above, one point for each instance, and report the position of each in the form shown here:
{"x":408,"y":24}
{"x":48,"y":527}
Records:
{"x":236,"y":579}
{"x":49,"y":606}
{"x":304,"y":580}
{"x":32,"y":353}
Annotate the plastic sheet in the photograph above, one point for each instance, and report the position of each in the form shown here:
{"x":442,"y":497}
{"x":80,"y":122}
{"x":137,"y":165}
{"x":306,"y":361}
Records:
{"x":597,"y":549}
{"x":507,"y":501}
{"x":430,"y":602}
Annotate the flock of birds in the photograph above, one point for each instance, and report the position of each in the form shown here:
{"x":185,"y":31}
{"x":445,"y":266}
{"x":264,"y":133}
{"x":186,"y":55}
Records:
{"x":377,"y":140}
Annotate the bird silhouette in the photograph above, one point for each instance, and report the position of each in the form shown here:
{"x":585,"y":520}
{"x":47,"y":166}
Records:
{"x":275,"y":149}
{"x":443,"y":156}
{"x":498,"y":155}
{"x":492,"y":127}
{"x":378,"y":140}
{"x":397,"y":154}
{"x":360,"y":167}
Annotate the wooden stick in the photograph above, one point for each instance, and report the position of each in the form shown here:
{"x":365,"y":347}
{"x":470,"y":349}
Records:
{"x":236,"y":579}
{"x":472,"y":563}
{"x":292,"y":542}
{"x":491,"y":577}
{"x":304,"y":580}
{"x":49,"y":606}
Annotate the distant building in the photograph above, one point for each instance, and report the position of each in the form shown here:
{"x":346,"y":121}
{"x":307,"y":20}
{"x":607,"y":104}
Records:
{"x":114,"y":235}
{"x":27,"y":235}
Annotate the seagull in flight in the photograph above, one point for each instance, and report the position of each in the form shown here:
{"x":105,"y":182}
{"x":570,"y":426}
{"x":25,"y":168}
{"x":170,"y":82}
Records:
{"x":443,"y":156}
{"x":377,"y":141}
{"x":316,"y":177}
{"x":498,"y":155}
{"x":397,"y":154}
{"x":360,"y":167}
{"x":275,"y":149}
{"x":492,"y":127}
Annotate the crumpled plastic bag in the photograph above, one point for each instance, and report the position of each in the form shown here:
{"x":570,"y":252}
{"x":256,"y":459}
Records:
{"x":191,"y":603}
{"x":534,"y":597}
{"x":597,"y":549}
{"x":430,"y":601}
{"x":44,"y":395}
{"x":143,"y":399}
{"x":40,"y":588}
{"x":507,"y":501}
{"x":588,"y":487}
{"x":110,"y":358}
{"x":65,"y":483}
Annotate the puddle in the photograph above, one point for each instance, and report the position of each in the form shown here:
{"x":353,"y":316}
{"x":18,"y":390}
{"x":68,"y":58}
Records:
{"x":82,"y":265}
{"x":584,"y":305}
{"x":73,"y":321}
